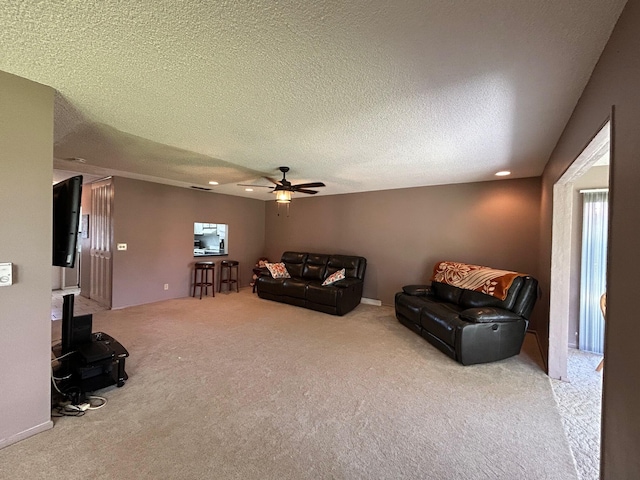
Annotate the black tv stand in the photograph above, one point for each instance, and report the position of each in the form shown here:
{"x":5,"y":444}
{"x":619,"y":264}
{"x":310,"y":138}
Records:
{"x":87,"y":361}
{"x":85,"y":375}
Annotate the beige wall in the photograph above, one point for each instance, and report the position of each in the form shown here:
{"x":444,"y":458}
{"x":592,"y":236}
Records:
{"x":615,"y":82}
{"x":156,"y":223}
{"x":402,"y":233}
{"x":26,"y":152}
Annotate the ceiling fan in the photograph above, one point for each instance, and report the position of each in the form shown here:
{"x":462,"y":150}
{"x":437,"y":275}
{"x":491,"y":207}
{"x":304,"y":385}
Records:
{"x":283,"y":188}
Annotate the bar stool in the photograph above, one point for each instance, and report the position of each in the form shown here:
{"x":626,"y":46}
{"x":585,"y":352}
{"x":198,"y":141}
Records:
{"x":226,"y":266}
{"x":204,"y":268}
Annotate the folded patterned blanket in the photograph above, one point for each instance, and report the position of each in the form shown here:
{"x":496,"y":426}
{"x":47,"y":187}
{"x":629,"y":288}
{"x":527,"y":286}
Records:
{"x":475,"y":277}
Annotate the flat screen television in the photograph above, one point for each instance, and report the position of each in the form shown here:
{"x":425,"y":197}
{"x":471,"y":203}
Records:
{"x":66,"y":219}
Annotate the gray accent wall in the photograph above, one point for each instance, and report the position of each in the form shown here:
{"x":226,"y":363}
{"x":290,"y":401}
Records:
{"x":404,"y":232}
{"x":26,"y":154}
{"x":615,"y":82}
{"x":156,"y":222}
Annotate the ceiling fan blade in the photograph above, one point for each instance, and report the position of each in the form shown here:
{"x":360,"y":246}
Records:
{"x":250,"y":185}
{"x":275,"y":182}
{"x":309,"y":185}
{"x":303,"y":190}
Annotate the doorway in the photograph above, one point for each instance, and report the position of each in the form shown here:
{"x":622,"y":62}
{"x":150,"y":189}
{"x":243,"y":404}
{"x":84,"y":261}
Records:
{"x":564,"y":284}
{"x":577,"y":385}
{"x":91,"y":276}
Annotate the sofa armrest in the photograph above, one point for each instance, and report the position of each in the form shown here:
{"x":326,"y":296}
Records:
{"x":488,"y":315}
{"x":417,"y":290}
{"x":346,"y":282}
{"x":261,"y":272}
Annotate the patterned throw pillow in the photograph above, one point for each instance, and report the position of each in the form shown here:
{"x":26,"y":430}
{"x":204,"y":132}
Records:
{"x":277,"y":270}
{"x":334,"y":277}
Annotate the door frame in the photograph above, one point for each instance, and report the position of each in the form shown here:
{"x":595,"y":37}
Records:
{"x":561,"y":244}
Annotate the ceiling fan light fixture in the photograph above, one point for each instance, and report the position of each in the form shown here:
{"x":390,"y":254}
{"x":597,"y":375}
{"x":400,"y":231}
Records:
{"x":283,"y":196}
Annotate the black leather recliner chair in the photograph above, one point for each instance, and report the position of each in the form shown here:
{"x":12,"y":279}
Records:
{"x":469,"y":326}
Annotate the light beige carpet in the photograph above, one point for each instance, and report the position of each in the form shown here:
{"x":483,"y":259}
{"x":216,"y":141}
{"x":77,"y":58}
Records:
{"x":580,"y":404}
{"x":235,"y":387}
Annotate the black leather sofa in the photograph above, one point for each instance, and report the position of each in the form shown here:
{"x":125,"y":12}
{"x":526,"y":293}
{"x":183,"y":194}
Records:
{"x":469,"y":326}
{"x":305,"y":289}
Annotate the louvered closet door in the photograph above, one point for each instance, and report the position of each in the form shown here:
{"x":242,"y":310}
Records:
{"x":101,"y":235}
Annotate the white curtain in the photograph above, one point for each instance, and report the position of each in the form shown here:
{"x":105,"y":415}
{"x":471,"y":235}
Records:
{"x":594,"y":269}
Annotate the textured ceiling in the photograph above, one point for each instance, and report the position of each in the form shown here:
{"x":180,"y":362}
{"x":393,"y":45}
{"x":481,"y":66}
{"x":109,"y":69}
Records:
{"x":360,"y":95}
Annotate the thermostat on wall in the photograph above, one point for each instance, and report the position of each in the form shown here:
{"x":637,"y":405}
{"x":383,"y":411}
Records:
{"x":6,"y":274}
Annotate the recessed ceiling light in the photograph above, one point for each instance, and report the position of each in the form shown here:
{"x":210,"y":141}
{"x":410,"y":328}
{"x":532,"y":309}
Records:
{"x":503,"y":173}
{"x":213,"y":183}
{"x":248,"y":189}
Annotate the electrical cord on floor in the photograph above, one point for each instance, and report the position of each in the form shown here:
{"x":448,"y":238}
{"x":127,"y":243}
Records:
{"x":92,"y":398}
{"x":68,"y":410}
{"x":71,"y":406}
{"x":59,"y":378}
{"x":93,"y":402}
{"x":55,"y":385}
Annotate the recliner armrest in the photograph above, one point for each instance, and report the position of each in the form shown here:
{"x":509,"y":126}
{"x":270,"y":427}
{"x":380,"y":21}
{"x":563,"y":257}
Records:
{"x":488,"y":315}
{"x":261,"y":271}
{"x":417,"y":290}
{"x":346,"y":282}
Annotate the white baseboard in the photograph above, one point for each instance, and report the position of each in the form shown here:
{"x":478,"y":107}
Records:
{"x":5,"y":442}
{"x":371,"y":301}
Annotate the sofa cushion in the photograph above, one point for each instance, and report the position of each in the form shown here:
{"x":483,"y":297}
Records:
{"x":294,"y":262}
{"x":471,"y":299}
{"x":446,"y":293}
{"x":294,"y":287}
{"x":270,"y":285}
{"x":441,"y":320}
{"x":324,"y":295}
{"x":315,"y":267}
{"x":334,"y":277}
{"x":277,"y":270}
{"x":409,"y":307}
{"x":354,"y":266}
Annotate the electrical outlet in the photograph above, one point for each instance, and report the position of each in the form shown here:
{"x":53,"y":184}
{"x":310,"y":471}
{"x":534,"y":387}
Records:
{"x":122,"y":246}
{"x":166,"y":286}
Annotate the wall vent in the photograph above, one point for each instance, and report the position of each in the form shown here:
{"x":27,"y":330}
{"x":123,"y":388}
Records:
{"x":201,"y":188}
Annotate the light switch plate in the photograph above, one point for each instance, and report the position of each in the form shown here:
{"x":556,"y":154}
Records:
{"x":6,"y":274}
{"x":122,"y":246}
